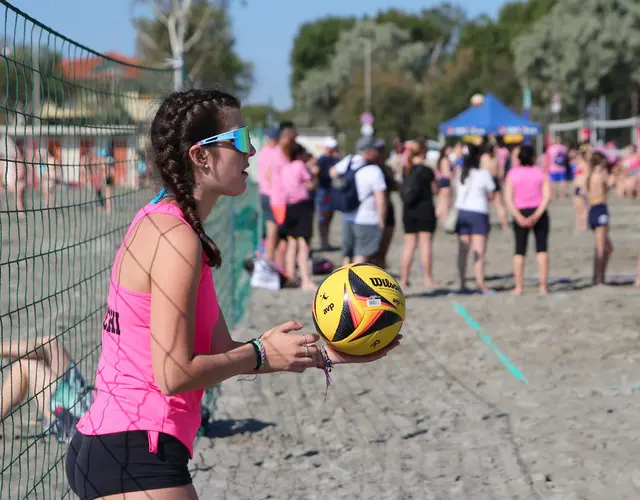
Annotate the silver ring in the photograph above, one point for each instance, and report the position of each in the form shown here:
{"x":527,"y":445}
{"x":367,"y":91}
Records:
{"x":308,"y":354}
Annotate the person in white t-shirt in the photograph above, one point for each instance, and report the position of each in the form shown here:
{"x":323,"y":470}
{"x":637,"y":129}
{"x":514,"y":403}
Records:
{"x":475,"y":188}
{"x":362,"y":230}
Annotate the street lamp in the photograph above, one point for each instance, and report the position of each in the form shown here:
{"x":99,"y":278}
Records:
{"x":367,"y":75}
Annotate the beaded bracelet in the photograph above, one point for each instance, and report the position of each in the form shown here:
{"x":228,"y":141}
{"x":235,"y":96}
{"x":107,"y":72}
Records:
{"x":261,"y":355}
{"x":326,"y":367}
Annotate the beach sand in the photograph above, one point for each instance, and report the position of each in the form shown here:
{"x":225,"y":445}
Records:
{"x":541,"y":403}
{"x":442,"y":416}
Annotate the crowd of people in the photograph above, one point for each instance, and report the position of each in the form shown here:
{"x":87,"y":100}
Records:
{"x":457,"y":191}
{"x":26,"y":166}
{"x":164,"y":336}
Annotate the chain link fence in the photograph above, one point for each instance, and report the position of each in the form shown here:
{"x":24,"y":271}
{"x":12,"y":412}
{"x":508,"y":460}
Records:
{"x":63,"y":213}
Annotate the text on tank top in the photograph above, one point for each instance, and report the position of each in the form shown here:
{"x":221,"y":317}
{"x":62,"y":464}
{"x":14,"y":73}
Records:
{"x":127,"y":396}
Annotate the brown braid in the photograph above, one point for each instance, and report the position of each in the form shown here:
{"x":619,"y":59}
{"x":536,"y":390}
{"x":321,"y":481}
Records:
{"x":183,"y":119}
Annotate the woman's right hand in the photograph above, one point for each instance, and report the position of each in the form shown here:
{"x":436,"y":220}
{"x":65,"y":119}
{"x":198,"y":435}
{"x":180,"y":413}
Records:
{"x":521,"y":221}
{"x":289,"y":352}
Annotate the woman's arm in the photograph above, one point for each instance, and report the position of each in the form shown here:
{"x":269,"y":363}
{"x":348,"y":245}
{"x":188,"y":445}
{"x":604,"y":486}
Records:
{"x":221,"y":340}
{"x":175,"y":277}
{"x":546,"y":199}
{"x":509,"y":199}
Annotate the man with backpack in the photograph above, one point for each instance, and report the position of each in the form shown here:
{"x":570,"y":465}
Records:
{"x":358,"y":191}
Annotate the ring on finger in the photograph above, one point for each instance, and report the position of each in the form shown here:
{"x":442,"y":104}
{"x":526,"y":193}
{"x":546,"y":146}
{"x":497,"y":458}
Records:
{"x":308,"y":352}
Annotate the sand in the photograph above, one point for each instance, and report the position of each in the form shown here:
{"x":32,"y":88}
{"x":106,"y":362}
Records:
{"x":442,"y":416}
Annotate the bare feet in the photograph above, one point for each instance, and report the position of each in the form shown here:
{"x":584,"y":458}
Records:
{"x":429,"y":283}
{"x":404,"y":284}
{"x":308,"y":286}
{"x":543,"y":290}
{"x":517,"y":291}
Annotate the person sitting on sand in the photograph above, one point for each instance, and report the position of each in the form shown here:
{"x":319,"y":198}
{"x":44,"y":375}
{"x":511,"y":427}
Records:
{"x":597,"y":185}
{"x":46,"y":370}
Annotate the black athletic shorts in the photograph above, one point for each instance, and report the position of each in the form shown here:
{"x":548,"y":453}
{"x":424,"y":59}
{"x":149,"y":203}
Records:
{"x":496,"y":181}
{"x":298,"y":222}
{"x":113,"y":464}
{"x":419,"y":222}
{"x":540,"y":232}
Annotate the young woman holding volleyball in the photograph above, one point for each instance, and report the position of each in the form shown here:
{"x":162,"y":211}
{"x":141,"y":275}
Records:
{"x":164,"y":337}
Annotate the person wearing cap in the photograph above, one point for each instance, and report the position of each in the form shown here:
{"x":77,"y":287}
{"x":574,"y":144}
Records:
{"x":363,"y":229}
{"x":264,"y":159}
{"x":323,"y":194}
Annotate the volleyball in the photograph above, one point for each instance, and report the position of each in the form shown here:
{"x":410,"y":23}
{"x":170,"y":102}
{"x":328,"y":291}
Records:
{"x":359,"y":309}
{"x":477,"y":100}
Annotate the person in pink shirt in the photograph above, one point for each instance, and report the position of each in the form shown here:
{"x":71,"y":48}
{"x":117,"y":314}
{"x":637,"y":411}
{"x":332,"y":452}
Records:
{"x":164,"y":336}
{"x":527,"y":195}
{"x":280,"y":158}
{"x":294,"y":185}
{"x":264,"y":159}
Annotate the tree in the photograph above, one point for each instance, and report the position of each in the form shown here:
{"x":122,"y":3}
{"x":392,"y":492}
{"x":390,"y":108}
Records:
{"x":582,"y":48}
{"x":258,"y":114}
{"x":314,"y":46}
{"x":436,"y":25}
{"x":392,"y":50}
{"x":16,"y":79}
{"x":177,"y":31}
{"x":396,"y":103}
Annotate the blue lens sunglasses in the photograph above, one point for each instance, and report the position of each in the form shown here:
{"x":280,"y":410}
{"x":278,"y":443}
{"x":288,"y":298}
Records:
{"x":240,"y":137}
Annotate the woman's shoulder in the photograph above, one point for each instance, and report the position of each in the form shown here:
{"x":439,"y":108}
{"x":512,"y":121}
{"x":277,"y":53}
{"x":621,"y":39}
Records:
{"x":167,"y":227}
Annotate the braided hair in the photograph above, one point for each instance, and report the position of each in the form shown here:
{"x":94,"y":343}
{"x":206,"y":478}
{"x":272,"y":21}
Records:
{"x":183,"y":119}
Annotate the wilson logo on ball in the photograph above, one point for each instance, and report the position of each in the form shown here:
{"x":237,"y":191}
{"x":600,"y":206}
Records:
{"x":384,"y":282}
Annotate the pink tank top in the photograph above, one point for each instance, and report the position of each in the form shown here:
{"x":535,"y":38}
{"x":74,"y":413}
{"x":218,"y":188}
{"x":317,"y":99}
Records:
{"x":127,"y":396}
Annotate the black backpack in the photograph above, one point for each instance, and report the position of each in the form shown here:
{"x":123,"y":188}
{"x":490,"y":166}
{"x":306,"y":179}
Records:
{"x":344,"y":192}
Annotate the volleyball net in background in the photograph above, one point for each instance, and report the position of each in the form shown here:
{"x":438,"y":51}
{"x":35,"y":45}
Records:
{"x":72,"y":176}
{"x":600,"y":132}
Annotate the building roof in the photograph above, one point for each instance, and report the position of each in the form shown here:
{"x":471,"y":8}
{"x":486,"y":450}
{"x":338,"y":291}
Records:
{"x":88,"y":68}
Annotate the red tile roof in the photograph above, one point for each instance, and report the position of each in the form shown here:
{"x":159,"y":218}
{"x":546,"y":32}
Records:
{"x":86,"y":68}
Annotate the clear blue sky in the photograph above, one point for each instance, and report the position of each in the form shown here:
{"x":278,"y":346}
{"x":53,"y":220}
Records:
{"x":264,"y":29}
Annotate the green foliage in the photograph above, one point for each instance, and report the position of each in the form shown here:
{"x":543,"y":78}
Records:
{"x":258,"y":114}
{"x":395,"y":103}
{"x":583,"y":48}
{"x":393,"y":51}
{"x":431,"y":25}
{"x":314,"y":45}
{"x":328,"y":83}
{"x":17,"y":66}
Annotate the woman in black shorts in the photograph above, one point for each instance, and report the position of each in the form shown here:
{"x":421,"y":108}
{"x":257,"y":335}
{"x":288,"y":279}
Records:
{"x":527,"y":195}
{"x":297,"y":227}
{"x":419,"y":214}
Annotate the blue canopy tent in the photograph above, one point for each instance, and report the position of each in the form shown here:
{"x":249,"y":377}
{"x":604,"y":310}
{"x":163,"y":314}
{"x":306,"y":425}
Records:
{"x":491,"y":117}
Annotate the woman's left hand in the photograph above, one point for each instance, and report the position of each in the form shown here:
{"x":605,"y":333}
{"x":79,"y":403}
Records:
{"x":340,"y":358}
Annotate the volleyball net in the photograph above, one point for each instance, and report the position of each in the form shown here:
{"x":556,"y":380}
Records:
{"x":72,"y":176}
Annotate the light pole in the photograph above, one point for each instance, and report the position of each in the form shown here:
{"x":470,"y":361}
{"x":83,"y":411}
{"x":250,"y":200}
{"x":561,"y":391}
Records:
{"x":367,"y":75}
